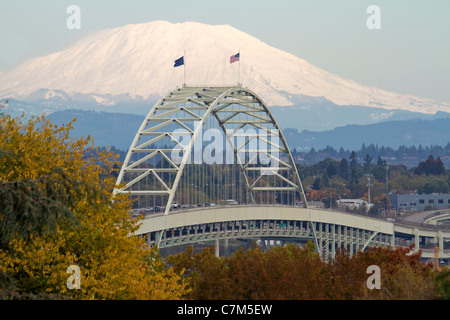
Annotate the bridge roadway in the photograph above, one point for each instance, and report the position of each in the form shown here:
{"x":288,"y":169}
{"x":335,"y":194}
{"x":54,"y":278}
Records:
{"x":328,"y":229}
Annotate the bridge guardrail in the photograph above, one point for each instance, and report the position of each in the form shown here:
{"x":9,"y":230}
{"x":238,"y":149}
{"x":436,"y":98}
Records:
{"x":370,"y":216}
{"x":400,"y":222}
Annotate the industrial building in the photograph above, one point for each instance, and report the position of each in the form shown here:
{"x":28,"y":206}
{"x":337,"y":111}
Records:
{"x":419,"y":202}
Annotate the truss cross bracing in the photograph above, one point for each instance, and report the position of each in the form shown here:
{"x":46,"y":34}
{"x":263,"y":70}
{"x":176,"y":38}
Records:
{"x":202,"y":146}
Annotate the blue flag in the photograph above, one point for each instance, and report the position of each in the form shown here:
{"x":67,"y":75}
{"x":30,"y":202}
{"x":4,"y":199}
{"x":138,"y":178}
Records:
{"x":179,"y":62}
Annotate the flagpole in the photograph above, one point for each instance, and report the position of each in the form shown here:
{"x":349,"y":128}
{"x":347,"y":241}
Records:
{"x":239,"y":82}
{"x":184,"y":68}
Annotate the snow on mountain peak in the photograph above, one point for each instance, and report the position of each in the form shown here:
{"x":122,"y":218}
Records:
{"x":137,"y":59}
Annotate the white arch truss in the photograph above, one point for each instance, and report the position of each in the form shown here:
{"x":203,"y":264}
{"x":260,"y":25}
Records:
{"x":172,"y":135}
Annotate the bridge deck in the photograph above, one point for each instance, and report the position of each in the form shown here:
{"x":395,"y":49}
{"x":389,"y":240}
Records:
{"x":330,"y":229}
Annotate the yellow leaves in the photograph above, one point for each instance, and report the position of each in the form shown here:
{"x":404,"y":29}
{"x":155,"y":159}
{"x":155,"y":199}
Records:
{"x":33,"y":146}
{"x":37,"y":262}
{"x":112,"y":264}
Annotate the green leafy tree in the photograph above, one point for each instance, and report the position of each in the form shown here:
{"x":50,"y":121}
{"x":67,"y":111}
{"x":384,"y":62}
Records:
{"x":434,"y":186}
{"x":367,"y":163}
{"x":343,"y":170}
{"x":442,"y":282}
{"x":317,"y":185}
{"x":353,"y":161}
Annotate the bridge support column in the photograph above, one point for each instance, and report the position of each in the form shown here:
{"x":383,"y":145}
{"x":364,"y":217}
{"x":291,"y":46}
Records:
{"x":416,"y":240}
{"x":357,"y":239}
{"x":217,"y":248}
{"x":440,"y":243}
{"x":226,"y":246}
{"x":339,"y":237}
{"x":333,"y":241}
{"x":351,"y":237}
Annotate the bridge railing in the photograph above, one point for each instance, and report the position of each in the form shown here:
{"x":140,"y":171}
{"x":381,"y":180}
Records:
{"x":423,"y":225}
{"x":401,"y":220}
{"x":149,"y":214}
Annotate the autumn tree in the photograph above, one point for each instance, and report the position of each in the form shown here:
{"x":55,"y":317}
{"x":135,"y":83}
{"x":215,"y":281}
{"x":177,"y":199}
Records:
{"x":298,"y":273}
{"x":57,"y":210}
{"x":380,"y":204}
{"x":405,"y":277}
{"x":289,"y":272}
{"x":430,"y":166}
{"x":402,"y":275}
{"x":282,"y":273}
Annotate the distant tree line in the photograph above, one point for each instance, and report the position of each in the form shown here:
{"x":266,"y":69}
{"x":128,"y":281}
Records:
{"x":406,"y":155}
{"x":332,"y":179}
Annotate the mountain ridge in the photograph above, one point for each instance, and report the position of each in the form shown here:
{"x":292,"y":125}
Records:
{"x":412,"y":132}
{"x":119,"y":129}
{"x":136,"y":60}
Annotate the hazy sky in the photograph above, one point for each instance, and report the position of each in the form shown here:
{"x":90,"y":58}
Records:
{"x":409,"y":54}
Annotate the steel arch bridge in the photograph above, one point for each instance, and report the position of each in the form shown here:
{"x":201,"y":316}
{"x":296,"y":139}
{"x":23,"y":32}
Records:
{"x":211,"y":163}
{"x":209,"y":145}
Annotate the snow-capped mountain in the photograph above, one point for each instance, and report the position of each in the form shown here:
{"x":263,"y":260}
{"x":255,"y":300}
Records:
{"x":135,"y":63}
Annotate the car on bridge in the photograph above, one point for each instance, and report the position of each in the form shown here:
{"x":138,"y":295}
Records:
{"x":187,"y":206}
{"x":229,"y":202}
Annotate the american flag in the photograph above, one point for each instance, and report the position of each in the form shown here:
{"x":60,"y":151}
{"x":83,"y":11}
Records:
{"x":234,"y":58}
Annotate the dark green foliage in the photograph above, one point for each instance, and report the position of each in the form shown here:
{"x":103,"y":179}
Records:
{"x":343,"y":169}
{"x":435,"y":186}
{"x":442,"y":282}
{"x":34,"y":206}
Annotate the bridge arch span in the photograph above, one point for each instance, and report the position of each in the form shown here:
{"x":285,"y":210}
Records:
{"x":175,"y":161}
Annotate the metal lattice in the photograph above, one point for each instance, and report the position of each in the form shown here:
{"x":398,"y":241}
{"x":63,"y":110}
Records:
{"x":209,"y":145}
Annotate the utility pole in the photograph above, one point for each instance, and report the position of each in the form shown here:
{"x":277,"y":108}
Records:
{"x":368,"y":175}
{"x":387,"y":178}
{"x":330,"y":200}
